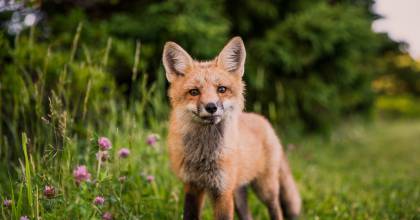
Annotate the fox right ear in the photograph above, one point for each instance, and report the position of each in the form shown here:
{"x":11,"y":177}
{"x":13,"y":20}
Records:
{"x":175,"y":60}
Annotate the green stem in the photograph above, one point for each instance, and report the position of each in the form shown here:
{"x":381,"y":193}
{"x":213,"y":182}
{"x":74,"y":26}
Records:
{"x":99,"y":165}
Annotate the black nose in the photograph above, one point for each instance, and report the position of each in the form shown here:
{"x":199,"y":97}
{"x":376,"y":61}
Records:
{"x":211,"y":108}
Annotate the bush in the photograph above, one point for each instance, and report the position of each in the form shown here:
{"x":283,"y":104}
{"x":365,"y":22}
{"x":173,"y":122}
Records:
{"x":318,"y":64}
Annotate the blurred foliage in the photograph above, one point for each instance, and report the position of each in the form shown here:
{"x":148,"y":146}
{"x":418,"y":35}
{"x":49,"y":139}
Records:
{"x":321,"y":58}
{"x":398,"y":105}
{"x":402,"y":76}
{"x":310,"y":63}
{"x":397,"y":86}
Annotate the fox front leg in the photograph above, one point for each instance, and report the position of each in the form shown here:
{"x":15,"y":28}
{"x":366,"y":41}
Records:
{"x":193,"y":202}
{"x":223,"y":206}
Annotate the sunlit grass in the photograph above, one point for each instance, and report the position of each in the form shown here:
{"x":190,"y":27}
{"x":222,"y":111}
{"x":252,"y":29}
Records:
{"x":364,"y":172}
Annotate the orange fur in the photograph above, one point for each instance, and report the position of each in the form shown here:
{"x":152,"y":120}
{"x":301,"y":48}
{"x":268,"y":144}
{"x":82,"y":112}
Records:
{"x":222,"y":151}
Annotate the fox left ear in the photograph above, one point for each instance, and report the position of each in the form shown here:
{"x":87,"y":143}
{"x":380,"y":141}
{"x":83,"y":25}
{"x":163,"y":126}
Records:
{"x":232,"y":57}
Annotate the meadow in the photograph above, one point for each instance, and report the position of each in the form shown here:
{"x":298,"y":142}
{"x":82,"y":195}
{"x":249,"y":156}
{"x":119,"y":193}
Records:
{"x":363,"y":171}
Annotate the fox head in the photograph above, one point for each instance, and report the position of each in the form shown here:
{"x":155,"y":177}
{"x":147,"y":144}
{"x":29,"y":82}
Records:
{"x":206,"y":92}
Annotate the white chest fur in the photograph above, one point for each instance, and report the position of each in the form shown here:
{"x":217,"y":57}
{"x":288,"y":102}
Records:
{"x":203,"y":145}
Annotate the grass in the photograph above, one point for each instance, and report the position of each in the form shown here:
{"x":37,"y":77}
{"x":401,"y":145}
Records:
{"x":362,"y":172}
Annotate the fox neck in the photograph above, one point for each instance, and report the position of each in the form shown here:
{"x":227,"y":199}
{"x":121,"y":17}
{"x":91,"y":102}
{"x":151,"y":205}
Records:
{"x":206,"y":138}
{"x":203,"y":146}
{"x":209,"y":135}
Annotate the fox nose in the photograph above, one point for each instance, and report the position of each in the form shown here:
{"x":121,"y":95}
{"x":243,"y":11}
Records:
{"x":211,"y":108}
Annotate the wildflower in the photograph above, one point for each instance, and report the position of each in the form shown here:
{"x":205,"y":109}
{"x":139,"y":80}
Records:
{"x":122,"y":179}
{"x":124,"y":152}
{"x":102,"y":155}
{"x":152,"y":139}
{"x":150,"y":178}
{"x":107,"y":216}
{"x":7,"y":203}
{"x":104,"y":143}
{"x":24,"y":218}
{"x":81,"y":174}
{"x":99,"y":200}
{"x":49,"y":191}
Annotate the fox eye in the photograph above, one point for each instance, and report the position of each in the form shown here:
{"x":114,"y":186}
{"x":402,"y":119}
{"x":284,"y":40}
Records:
{"x":194,"y":92}
{"x":221,"y":89}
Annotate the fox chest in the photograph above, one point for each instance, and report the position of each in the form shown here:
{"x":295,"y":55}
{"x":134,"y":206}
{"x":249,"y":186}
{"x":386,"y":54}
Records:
{"x":201,"y":162}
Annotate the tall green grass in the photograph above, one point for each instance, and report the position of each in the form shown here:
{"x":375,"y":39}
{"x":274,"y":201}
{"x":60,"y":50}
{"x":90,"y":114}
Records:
{"x":56,"y":102}
{"x":28,"y":178}
{"x":54,"y":93}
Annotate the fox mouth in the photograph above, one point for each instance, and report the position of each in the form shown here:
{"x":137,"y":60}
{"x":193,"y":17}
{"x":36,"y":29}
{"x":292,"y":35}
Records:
{"x":211,"y":119}
{"x":208,"y":119}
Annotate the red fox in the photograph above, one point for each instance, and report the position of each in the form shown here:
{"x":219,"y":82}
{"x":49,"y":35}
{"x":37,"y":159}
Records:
{"x":217,"y":149}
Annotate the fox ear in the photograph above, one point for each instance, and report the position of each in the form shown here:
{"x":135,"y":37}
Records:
{"x":232,"y":57}
{"x":175,"y":60}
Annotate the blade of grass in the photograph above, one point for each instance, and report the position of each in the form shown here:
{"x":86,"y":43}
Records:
{"x":75,"y":41}
{"x":27,"y":173}
{"x":136,"y":61}
{"x":85,"y":101}
{"x":37,"y":203}
{"x":17,"y":210}
{"x":108,"y":48}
